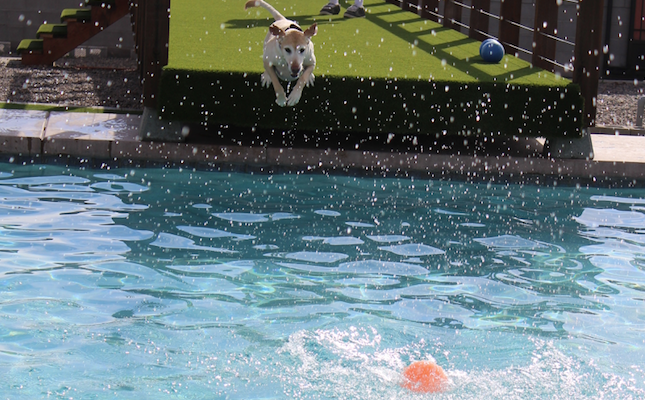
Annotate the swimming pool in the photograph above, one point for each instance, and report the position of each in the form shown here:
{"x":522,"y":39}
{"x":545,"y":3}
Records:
{"x":175,"y":283}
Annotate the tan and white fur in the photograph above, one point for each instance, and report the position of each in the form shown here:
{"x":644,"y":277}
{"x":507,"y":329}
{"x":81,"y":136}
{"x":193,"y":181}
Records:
{"x":288,"y":55}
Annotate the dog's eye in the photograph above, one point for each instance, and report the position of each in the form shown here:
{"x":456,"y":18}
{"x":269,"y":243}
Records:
{"x":287,"y":50}
{"x":302,"y":51}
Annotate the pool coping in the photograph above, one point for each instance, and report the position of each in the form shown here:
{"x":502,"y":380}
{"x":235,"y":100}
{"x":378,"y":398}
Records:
{"x":115,"y":137}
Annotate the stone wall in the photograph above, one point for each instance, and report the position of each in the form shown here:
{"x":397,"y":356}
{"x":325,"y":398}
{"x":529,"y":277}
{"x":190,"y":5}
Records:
{"x":619,"y":33}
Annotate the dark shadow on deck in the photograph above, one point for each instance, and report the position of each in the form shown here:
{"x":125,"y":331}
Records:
{"x":442,"y":51}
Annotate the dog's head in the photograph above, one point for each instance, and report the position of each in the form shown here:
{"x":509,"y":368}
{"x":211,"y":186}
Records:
{"x":294,"y":44}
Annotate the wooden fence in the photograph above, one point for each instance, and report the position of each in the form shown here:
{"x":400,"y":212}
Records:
{"x":586,"y":47}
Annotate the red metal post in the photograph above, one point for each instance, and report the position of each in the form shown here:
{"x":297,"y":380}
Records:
{"x":479,"y":20}
{"x":588,"y":54}
{"x":545,"y":23}
{"x":409,"y":5}
{"x":155,"y":24}
{"x":451,"y":13}
{"x":509,"y":33}
{"x":429,"y":9}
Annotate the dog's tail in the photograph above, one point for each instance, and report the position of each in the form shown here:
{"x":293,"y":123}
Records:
{"x":260,"y":3}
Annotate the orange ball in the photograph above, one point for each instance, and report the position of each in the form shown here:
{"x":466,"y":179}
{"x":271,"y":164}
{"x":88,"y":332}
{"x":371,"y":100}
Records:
{"x":424,"y":377}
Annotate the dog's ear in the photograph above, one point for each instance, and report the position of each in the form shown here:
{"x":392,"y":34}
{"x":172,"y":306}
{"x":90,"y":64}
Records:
{"x":275,"y":31}
{"x":311,"y":31}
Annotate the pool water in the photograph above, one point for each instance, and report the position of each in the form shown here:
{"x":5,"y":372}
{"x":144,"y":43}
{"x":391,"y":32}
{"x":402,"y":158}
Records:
{"x":171,"y":283}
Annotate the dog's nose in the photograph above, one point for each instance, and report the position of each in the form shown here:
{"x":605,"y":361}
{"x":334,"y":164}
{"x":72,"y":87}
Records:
{"x":295,"y":70}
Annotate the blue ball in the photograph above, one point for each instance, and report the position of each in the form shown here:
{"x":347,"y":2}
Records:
{"x":487,"y":40}
{"x":491,"y":51}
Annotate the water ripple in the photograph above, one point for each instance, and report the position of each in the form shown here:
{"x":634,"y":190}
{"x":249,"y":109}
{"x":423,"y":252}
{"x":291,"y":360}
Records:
{"x":519,"y":291}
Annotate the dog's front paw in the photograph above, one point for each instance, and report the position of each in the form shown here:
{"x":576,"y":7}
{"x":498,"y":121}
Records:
{"x":281,"y":99}
{"x":310,"y":80}
{"x":265,"y":79}
{"x":294,"y":97}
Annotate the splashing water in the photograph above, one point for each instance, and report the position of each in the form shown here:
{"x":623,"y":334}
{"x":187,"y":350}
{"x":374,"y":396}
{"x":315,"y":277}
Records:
{"x":164,"y":283}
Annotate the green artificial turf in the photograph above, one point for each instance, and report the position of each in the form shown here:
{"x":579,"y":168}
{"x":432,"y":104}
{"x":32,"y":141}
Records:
{"x":55,"y":108}
{"x":79,"y":14}
{"x":27,"y":45}
{"x":389,"y":72}
{"x":56,"y":30}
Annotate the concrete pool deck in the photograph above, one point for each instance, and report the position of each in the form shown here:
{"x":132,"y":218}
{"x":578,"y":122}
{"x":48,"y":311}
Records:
{"x":115,"y":137}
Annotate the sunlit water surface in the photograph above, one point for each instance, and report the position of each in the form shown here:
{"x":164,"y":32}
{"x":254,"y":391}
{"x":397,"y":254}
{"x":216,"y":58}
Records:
{"x":154,"y":284}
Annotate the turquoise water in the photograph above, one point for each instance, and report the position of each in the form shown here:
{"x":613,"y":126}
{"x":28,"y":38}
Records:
{"x":153,"y":283}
